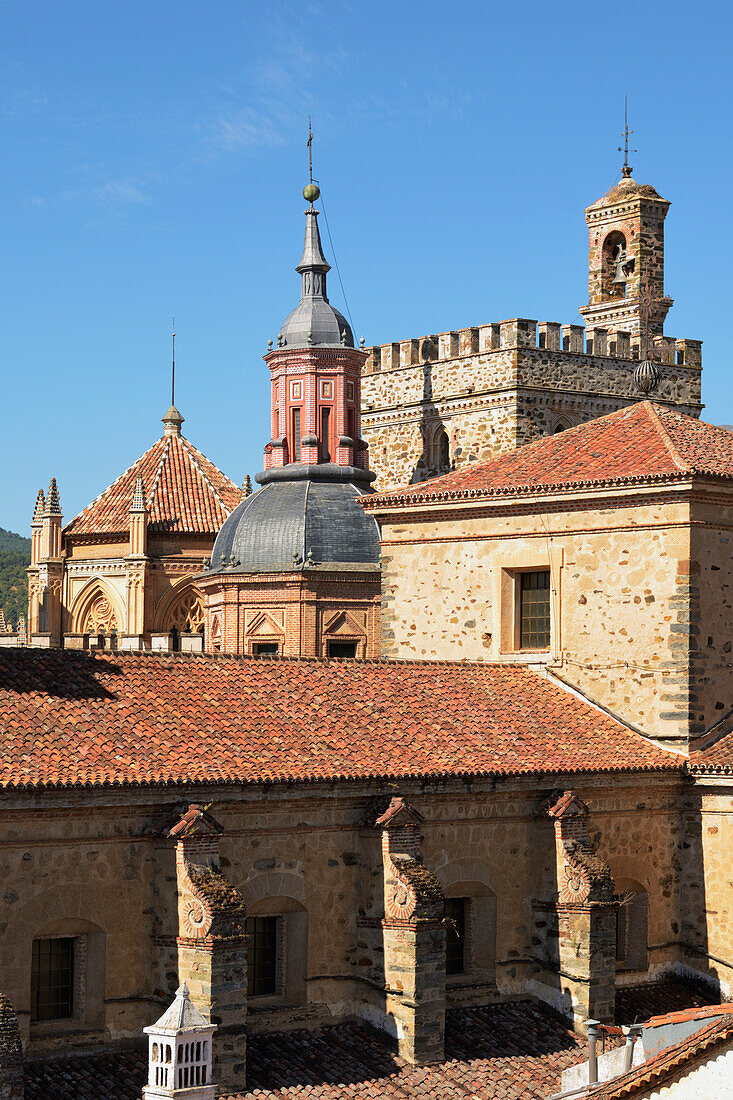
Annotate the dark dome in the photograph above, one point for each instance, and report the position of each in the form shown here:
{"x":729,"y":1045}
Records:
{"x":301,"y":515}
{"x":314,"y":321}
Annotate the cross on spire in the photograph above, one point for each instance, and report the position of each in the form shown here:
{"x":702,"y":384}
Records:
{"x":626,"y":170}
{"x":309,"y":143}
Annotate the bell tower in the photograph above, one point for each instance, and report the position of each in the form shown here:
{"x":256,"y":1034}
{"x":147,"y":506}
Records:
{"x":626,"y":263}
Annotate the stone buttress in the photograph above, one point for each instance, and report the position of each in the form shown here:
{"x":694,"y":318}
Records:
{"x":212,"y":943}
{"x":581,"y":917}
{"x":413,"y":935}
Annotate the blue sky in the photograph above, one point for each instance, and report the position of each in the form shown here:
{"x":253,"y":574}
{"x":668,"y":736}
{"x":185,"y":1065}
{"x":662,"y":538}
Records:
{"x":153,"y":156}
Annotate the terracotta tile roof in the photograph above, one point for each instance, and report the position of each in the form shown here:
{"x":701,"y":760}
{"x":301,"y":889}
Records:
{"x":73,"y":718}
{"x":669,"y":1063}
{"x":685,"y":1014}
{"x":637,"y":1003}
{"x":717,"y":759}
{"x":638,"y":444}
{"x":183,"y":490}
{"x":503,"y":1052}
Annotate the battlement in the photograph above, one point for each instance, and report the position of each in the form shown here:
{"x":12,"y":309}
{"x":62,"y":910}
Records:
{"x":518,"y":332}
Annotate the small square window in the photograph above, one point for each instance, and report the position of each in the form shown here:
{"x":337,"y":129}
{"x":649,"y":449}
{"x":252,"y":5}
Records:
{"x":52,"y":979}
{"x":261,"y":956}
{"x":327,"y":390}
{"x":341,"y":649}
{"x":350,"y":391}
{"x":265,"y":649}
{"x":296,"y":391}
{"x":455,"y":944}
{"x":534,"y":610}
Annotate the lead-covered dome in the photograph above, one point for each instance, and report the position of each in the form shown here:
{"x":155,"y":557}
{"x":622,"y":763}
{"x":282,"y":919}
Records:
{"x":302,"y":516}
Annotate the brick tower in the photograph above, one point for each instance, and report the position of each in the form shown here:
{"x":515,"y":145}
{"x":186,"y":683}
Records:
{"x":295,"y":568}
{"x":626,"y":262}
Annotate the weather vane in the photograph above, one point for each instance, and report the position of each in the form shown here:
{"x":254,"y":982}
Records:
{"x":311,"y":190}
{"x":626,"y":170}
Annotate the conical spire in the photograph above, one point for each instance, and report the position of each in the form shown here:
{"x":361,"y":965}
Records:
{"x":53,"y":504}
{"x":314,"y":321}
{"x":313,"y":265}
{"x":40,"y":507}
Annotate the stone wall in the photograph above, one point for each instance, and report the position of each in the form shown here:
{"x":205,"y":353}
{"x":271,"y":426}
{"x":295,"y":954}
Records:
{"x":620,"y":576}
{"x":94,"y":857}
{"x":497,"y":386}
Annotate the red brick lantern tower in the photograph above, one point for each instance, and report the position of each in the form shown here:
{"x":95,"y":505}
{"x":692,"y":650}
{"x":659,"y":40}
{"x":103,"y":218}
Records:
{"x":295,"y":568}
{"x":315,"y":372}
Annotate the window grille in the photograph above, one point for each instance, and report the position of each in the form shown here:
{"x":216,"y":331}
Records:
{"x":261,"y":956}
{"x":265,"y":649}
{"x":534,"y":610}
{"x":52,"y":979}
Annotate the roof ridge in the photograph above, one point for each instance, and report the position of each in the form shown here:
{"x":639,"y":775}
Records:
{"x":670,"y":1059}
{"x":159,"y":471}
{"x":116,"y":481}
{"x":194,"y":453}
{"x":652,"y":411}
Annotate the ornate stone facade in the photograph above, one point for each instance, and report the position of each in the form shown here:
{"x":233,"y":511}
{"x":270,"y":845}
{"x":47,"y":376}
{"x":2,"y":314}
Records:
{"x":121,"y":574}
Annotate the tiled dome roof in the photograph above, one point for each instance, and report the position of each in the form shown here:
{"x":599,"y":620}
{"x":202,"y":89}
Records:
{"x":183,"y":492}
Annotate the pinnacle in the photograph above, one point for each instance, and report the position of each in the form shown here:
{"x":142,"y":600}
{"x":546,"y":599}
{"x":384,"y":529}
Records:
{"x":53,"y":504}
{"x":39,"y":508}
{"x":138,"y":501}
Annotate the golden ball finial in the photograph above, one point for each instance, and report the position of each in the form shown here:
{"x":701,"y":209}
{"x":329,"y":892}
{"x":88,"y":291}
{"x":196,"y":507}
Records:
{"x":310,"y":192}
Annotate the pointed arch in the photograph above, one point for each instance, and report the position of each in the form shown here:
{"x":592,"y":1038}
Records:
{"x":97,"y":609}
{"x":182,"y":609}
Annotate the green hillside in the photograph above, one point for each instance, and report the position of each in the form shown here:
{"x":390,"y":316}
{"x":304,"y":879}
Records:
{"x":15,"y":556}
{"x":10,"y":541}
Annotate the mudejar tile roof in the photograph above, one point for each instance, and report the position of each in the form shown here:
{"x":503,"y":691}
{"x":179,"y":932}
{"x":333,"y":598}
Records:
{"x":639,"y":444}
{"x":183,"y":492}
{"x":70,"y":718}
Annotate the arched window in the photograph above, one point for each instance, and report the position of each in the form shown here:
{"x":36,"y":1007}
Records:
{"x":277,"y":953}
{"x":185,"y":616}
{"x":631,"y":925}
{"x":617,"y":265}
{"x":68,"y":975}
{"x":100,"y":618}
{"x":470,"y":907}
{"x":441,"y":450}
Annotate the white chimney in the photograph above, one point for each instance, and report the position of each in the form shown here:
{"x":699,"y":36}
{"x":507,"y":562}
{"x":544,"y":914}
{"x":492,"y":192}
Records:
{"x":179,"y":1053}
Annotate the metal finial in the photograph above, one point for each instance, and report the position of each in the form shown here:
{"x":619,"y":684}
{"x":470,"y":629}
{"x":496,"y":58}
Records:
{"x":311,"y":191}
{"x":626,"y":170}
{"x":173,"y":365}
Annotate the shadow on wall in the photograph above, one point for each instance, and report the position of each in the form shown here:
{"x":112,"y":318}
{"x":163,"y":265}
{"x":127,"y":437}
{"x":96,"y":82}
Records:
{"x":435,"y":458}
